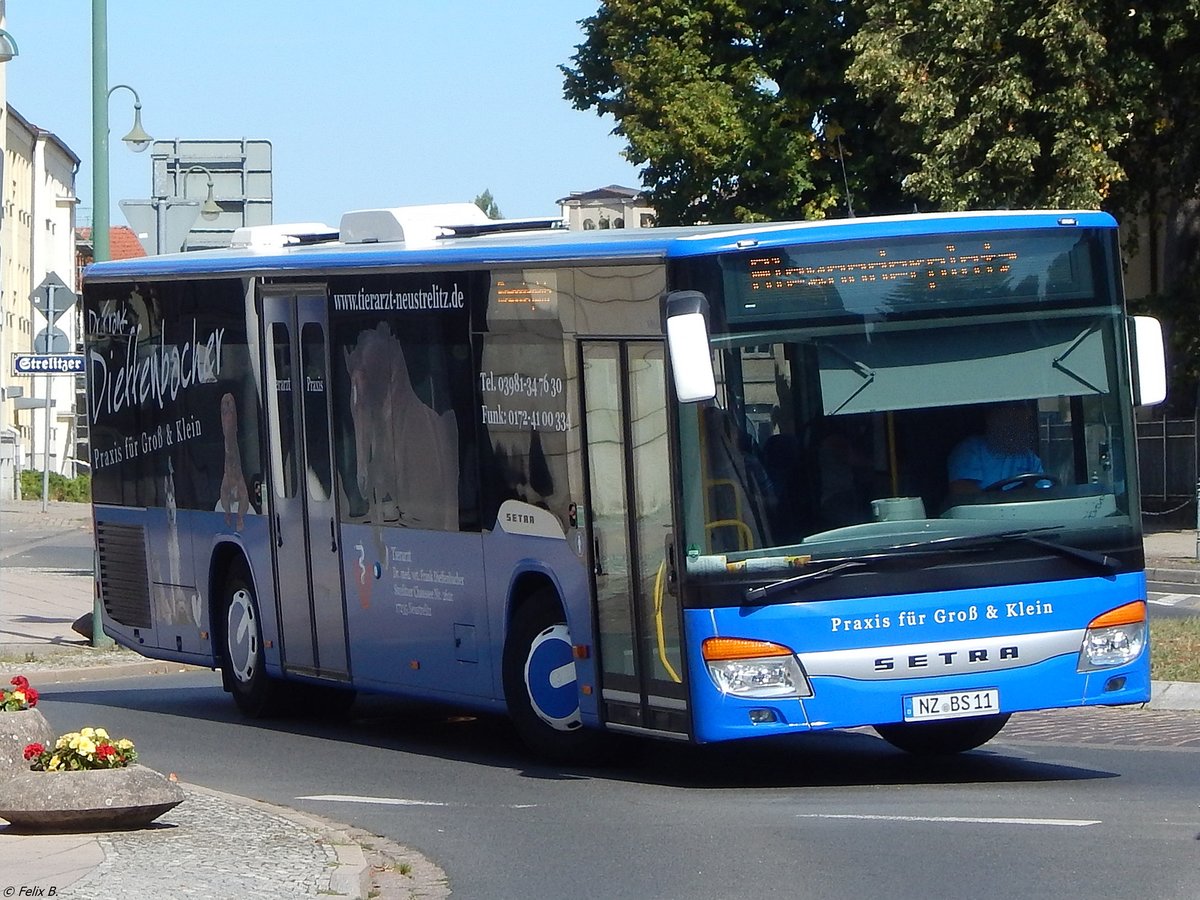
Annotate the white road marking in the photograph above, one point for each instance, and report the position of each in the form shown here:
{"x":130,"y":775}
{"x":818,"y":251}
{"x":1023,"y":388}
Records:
{"x":385,"y":801}
{"x":953,"y":819}
{"x":394,"y":801}
{"x":1169,"y":599}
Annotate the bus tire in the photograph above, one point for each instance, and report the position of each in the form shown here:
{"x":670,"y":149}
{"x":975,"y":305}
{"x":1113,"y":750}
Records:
{"x":942,"y":738}
{"x":542,"y":696}
{"x":256,"y":694}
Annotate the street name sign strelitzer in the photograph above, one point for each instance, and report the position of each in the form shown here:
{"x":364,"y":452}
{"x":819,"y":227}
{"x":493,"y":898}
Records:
{"x":48,"y":364}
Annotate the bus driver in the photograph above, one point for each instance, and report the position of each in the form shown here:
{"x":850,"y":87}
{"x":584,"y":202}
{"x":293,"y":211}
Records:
{"x":1003,"y":451}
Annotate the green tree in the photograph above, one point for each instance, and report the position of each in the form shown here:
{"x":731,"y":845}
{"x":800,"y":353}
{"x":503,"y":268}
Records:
{"x":736,"y":111}
{"x":1001,"y":103}
{"x":487,"y":203}
{"x":1160,"y":76}
{"x":1053,"y":103}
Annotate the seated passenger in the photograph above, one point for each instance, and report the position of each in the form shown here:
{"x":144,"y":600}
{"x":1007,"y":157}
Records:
{"x":1003,"y":451}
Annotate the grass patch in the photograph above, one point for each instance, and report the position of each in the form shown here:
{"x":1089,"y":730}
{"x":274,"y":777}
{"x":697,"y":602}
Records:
{"x":1175,"y":649}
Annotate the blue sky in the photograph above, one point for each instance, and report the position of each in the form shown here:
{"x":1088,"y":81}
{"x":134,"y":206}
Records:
{"x":366,"y":103}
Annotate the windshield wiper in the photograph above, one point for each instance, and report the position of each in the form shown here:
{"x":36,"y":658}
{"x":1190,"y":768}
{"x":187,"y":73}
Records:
{"x":1100,"y":560}
{"x":1029,"y":536}
{"x":924,"y":549}
{"x":839,"y":566}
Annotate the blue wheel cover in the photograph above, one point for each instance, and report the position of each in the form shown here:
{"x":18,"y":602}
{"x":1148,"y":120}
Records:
{"x":550,"y":679}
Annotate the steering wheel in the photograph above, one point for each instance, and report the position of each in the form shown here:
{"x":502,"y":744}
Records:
{"x":1040,"y":480}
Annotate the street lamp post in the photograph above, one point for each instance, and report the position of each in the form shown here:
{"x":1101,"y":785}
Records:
{"x":137,"y":139}
{"x":210,"y":210}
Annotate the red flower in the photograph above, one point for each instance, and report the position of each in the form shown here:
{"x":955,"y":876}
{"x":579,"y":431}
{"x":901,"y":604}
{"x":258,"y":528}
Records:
{"x":21,"y":682}
{"x":104,"y":751}
{"x":31,"y":696}
{"x":32,"y":750}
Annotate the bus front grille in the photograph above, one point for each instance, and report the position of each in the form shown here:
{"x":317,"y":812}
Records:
{"x":124,"y":585}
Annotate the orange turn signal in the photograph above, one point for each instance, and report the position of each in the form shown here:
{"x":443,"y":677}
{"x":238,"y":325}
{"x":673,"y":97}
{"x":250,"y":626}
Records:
{"x":740,"y":648}
{"x":1122,"y":615}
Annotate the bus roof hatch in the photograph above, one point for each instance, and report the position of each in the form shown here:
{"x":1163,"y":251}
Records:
{"x":265,"y":237}
{"x":408,"y":223}
{"x":425,"y":224}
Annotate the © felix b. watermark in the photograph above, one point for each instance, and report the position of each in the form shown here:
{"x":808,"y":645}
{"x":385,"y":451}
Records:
{"x":30,"y":890}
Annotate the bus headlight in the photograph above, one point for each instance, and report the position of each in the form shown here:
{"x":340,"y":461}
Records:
{"x":747,"y":668}
{"x":1115,"y":638}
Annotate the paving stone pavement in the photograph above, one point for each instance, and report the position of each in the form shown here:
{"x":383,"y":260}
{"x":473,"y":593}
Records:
{"x":215,"y":845}
{"x":210,"y":856}
{"x":1116,"y":726}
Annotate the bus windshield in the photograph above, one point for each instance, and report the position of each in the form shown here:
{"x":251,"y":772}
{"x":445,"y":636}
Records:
{"x":908,"y":416}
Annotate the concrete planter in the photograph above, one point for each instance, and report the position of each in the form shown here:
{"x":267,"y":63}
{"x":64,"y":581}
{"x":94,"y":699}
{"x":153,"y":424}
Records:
{"x":17,"y":729}
{"x":92,"y":800}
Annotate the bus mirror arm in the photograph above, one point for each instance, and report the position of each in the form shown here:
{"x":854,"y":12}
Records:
{"x":332,"y":535}
{"x":278,"y":531}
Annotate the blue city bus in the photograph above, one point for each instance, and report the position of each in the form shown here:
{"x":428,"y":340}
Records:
{"x":699,"y":483}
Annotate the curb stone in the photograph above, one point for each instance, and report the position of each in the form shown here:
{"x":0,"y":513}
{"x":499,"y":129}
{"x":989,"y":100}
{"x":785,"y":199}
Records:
{"x":1174,"y":574}
{"x":55,"y":675}
{"x":349,"y":877}
{"x":367,"y":865}
{"x":397,"y":872}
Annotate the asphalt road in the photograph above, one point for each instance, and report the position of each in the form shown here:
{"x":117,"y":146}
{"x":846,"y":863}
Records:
{"x":1172,"y":600}
{"x":67,"y":551}
{"x":1094,"y":804}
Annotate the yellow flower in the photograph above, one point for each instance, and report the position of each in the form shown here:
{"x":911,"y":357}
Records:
{"x":101,"y":734}
{"x":124,"y":744}
{"x":87,"y":732}
{"x":83,"y":744}
{"x":19,"y":696}
{"x":54,"y":763}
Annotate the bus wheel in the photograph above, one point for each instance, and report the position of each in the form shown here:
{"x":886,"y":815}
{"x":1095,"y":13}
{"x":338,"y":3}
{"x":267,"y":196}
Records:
{"x":254,"y":692}
{"x":940,"y":738}
{"x":540,"y":686}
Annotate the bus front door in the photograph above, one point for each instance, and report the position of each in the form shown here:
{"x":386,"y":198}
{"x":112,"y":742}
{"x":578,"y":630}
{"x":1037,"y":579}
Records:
{"x":303,"y":506}
{"x":630,"y":514}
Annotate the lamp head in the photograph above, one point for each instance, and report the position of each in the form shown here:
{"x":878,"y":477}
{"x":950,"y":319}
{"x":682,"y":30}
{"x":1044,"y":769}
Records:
{"x":137,"y":139}
{"x":210,"y":210}
{"x":8,"y":46}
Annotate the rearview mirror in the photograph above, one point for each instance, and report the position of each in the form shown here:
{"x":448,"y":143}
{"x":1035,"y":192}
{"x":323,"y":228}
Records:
{"x":1149,"y":361}
{"x":686,"y":315}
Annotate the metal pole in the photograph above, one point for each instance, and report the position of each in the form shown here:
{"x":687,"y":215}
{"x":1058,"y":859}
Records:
{"x":160,"y":224}
{"x":100,"y":247}
{"x":49,"y":381}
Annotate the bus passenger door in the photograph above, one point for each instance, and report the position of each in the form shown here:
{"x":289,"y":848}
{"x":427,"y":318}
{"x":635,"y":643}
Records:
{"x":303,"y":507}
{"x":629,"y":507}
